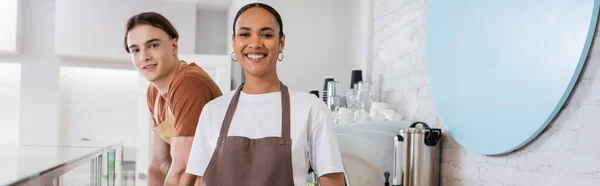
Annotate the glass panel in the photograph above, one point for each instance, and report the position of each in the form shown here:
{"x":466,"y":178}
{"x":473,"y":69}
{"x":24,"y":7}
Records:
{"x":110,"y":164}
{"x":31,"y":160}
{"x":82,"y":175}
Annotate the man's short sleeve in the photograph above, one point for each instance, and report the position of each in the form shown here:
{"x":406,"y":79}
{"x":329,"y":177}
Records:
{"x":188,"y":98}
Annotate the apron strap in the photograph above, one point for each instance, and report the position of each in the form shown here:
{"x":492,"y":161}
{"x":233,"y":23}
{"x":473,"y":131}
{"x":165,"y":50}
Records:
{"x":230,"y":111}
{"x":182,"y":64}
{"x":156,"y":108}
{"x":285,"y":111}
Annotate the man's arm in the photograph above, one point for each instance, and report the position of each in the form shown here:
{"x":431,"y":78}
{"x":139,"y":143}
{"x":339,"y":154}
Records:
{"x":160,"y":161}
{"x":180,"y":151}
{"x":188,"y":99}
{"x":333,"y":179}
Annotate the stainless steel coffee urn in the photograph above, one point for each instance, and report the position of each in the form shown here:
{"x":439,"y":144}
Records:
{"x":417,"y":156}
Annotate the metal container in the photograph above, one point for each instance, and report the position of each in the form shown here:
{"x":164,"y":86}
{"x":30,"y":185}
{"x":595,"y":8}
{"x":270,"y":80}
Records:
{"x":327,"y":80}
{"x":417,"y":156}
{"x":333,"y":95}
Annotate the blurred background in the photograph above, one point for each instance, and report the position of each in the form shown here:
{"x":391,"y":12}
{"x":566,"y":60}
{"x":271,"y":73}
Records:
{"x":65,"y":78}
{"x":66,"y":82}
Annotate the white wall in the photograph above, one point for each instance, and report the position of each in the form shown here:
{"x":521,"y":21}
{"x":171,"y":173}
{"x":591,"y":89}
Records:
{"x":10,"y":73}
{"x":10,"y":89}
{"x":9,"y":16}
{"x":39,"y":76}
{"x":95,"y":29}
{"x":399,"y":57}
{"x":568,"y":153}
{"x":210,"y":32}
{"x":362,"y":18}
{"x":98,"y":104}
{"x":323,"y":38}
{"x":218,"y":5}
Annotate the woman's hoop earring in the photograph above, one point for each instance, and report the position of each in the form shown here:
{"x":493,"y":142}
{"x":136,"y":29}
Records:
{"x":280,"y":56}
{"x":233,"y":58}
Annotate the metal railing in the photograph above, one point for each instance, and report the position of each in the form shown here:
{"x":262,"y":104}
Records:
{"x":103,"y":171}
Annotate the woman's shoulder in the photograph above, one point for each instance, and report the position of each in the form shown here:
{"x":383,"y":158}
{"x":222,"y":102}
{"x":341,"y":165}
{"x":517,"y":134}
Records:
{"x":309,"y":100}
{"x":312,"y":107}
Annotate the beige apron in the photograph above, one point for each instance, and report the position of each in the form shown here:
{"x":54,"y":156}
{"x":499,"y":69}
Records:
{"x":252,"y":162}
{"x":165,"y":128}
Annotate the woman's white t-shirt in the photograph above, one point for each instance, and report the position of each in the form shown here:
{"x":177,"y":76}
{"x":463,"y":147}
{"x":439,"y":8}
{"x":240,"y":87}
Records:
{"x":314,"y":140}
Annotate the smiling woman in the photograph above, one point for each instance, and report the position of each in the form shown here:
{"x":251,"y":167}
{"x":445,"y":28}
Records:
{"x":264,"y":133}
{"x":258,"y":58}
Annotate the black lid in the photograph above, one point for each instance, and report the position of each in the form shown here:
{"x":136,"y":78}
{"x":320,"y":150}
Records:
{"x":355,"y":77}
{"x":432,"y":135}
{"x":314,"y":92}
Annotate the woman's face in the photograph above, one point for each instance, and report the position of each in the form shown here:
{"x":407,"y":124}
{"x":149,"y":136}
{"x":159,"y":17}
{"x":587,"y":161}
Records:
{"x":256,"y":42}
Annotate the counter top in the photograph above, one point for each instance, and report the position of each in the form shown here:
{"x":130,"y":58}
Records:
{"x":367,"y":150}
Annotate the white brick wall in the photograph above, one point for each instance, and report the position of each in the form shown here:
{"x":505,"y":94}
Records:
{"x":568,"y":153}
{"x":399,"y":61}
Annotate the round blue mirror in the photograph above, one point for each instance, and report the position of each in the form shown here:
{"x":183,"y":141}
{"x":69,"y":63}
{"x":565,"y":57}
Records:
{"x":501,"y":70}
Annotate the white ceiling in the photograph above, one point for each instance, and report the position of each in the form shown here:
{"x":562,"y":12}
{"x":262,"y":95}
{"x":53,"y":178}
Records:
{"x":218,"y":5}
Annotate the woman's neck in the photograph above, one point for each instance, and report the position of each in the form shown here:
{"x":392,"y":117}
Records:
{"x":261,"y":85}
